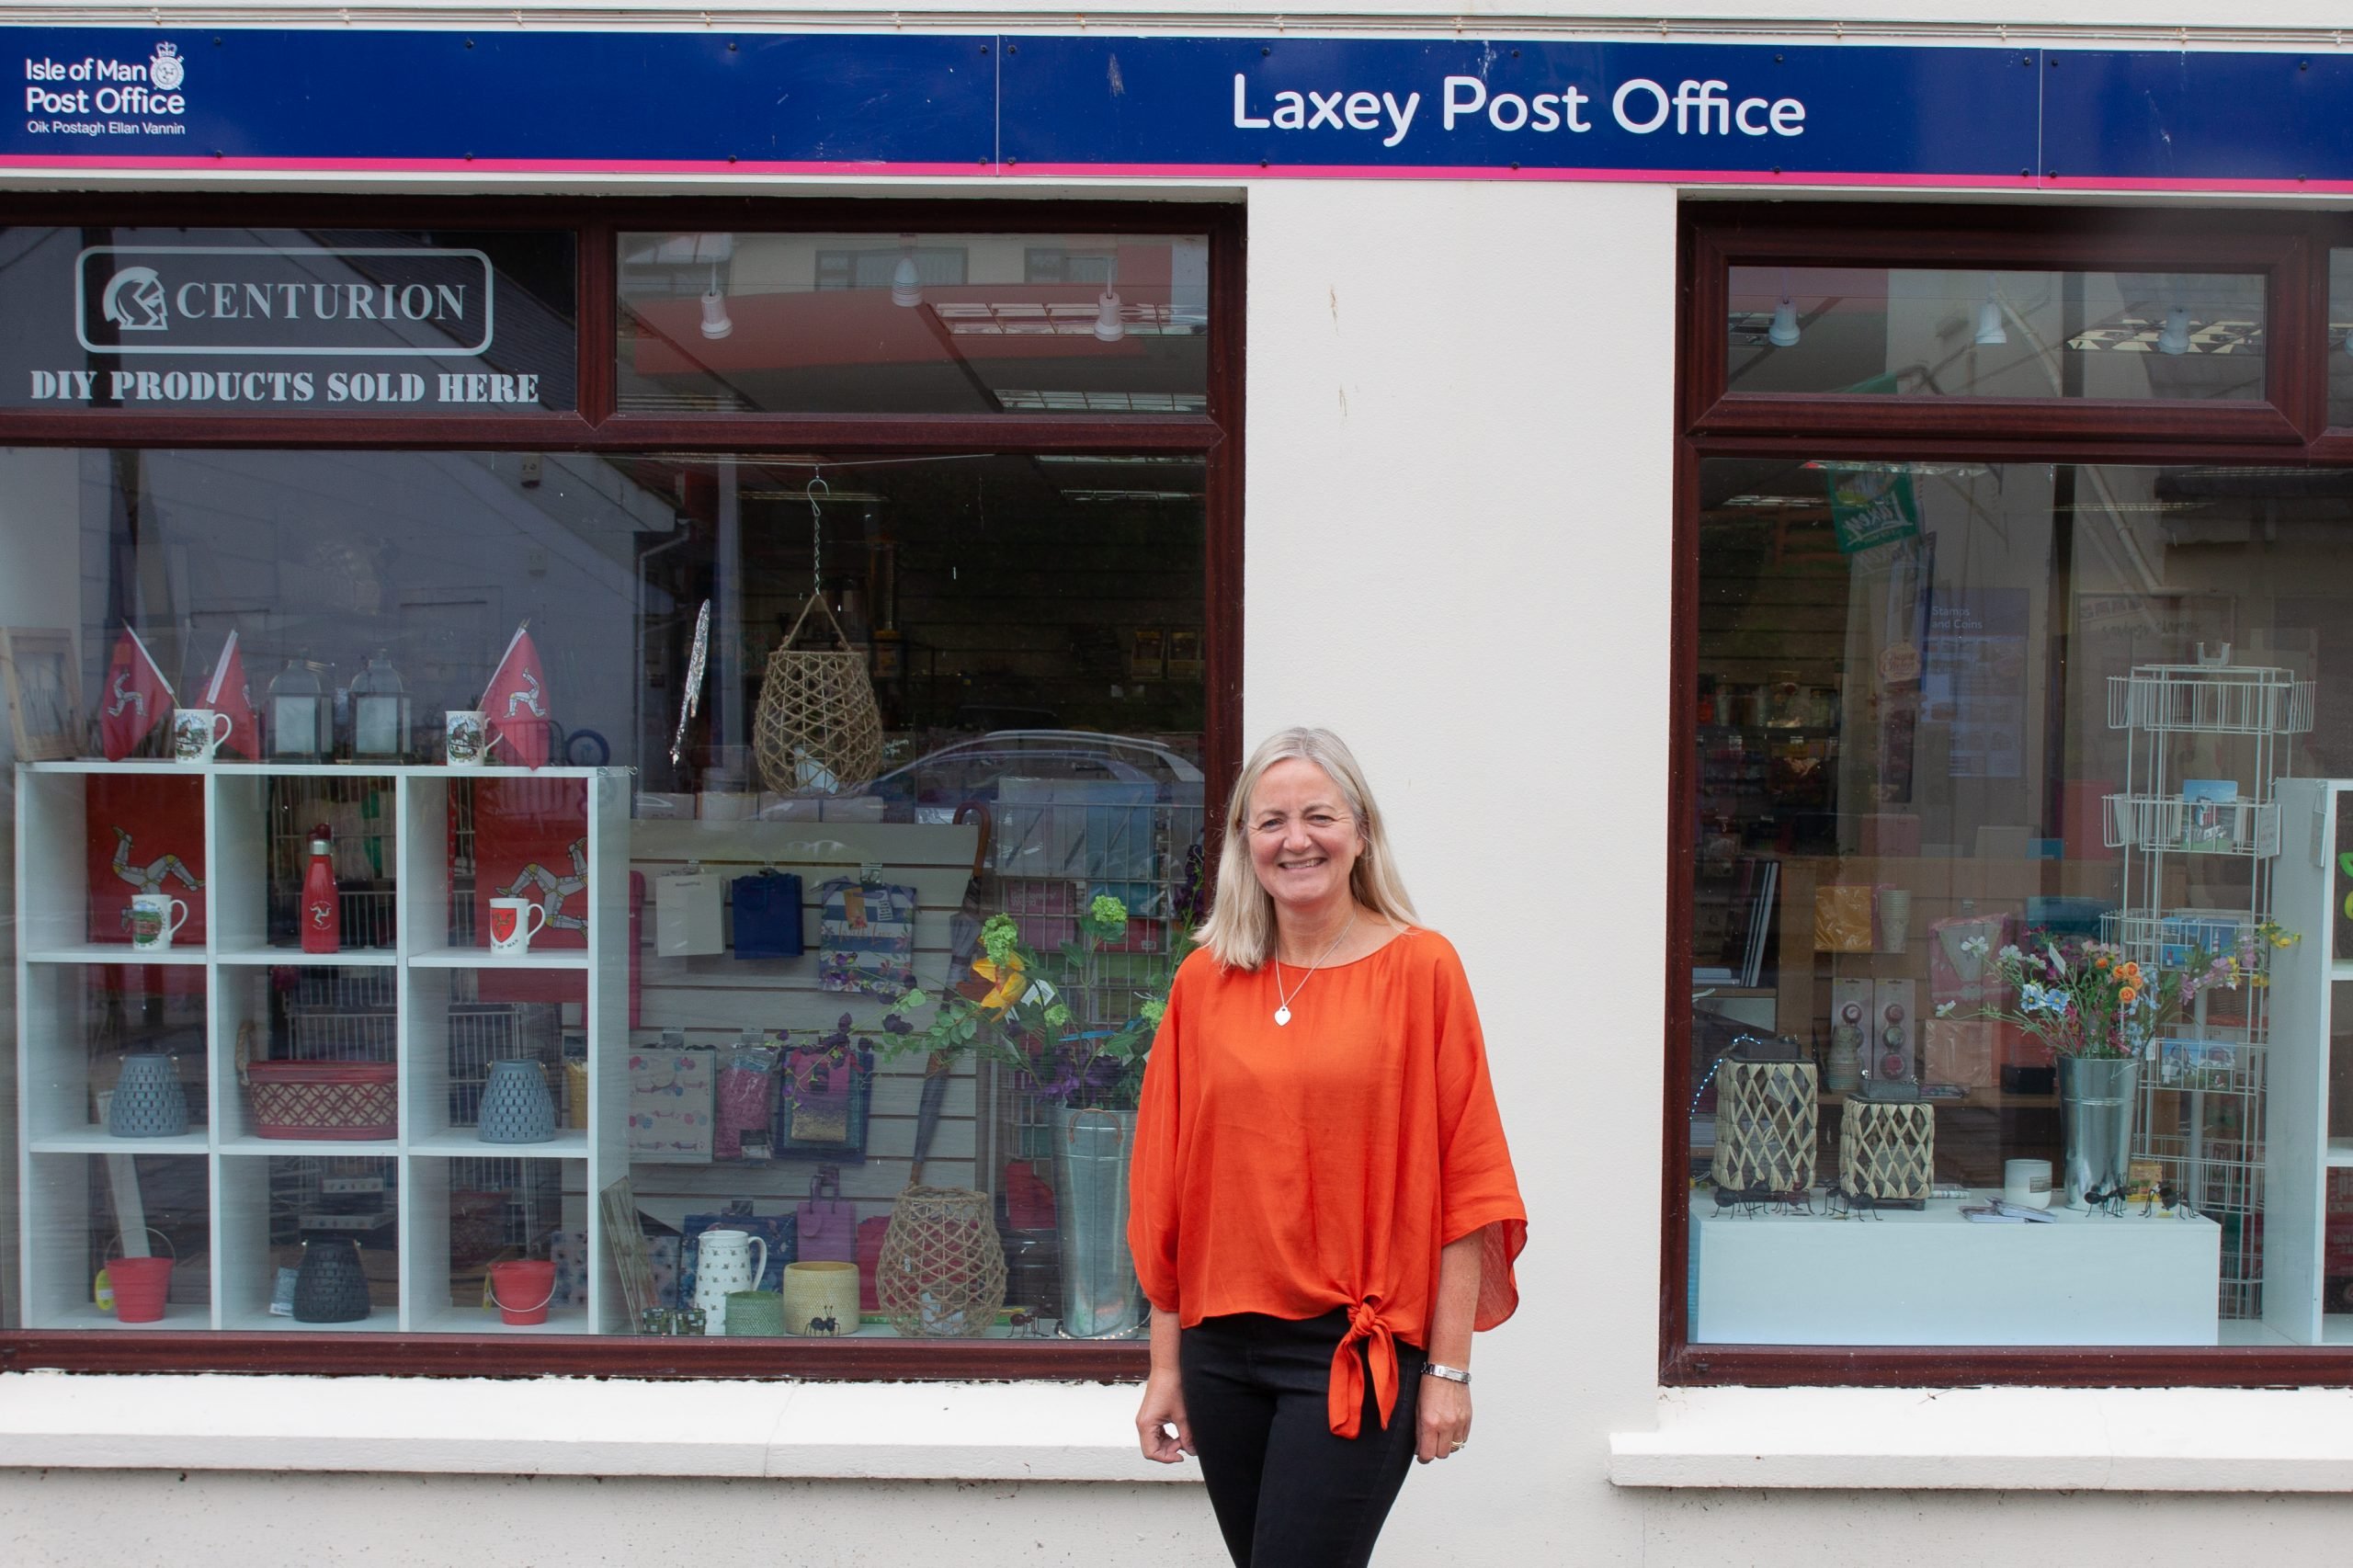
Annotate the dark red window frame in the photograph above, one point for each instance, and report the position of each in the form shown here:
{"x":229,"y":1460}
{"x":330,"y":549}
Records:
{"x":2289,"y":426}
{"x":1215,"y":435}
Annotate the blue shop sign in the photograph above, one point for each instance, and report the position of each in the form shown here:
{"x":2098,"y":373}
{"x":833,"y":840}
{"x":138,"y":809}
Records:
{"x":930,"y":106}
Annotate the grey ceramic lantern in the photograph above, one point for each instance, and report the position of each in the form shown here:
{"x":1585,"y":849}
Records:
{"x":515,"y":1105}
{"x":301,"y":719}
{"x":379,"y":712}
{"x":148,"y":1101}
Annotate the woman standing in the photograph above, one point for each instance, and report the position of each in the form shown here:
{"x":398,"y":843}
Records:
{"x":1321,"y":1206}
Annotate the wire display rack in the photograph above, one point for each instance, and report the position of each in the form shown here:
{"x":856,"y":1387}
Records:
{"x":2202,"y":1102}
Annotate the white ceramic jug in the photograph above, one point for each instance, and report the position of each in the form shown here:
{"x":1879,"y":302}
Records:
{"x":724,"y":1261}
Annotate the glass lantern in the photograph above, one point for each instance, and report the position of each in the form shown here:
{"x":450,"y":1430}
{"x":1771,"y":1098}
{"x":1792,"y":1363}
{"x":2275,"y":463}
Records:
{"x":379,"y":712}
{"x":301,"y":719}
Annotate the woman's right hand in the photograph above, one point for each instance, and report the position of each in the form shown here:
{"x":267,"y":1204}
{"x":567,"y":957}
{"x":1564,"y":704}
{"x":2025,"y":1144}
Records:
{"x":1163,"y":1407}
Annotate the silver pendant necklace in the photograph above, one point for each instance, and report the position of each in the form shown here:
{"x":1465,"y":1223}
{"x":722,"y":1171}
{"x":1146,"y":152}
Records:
{"x":1282,"y":1002}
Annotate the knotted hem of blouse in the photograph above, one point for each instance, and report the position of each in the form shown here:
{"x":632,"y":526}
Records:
{"x":1345,"y":1399}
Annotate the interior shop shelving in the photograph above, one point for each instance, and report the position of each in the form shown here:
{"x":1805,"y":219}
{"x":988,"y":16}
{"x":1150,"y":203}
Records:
{"x":404,"y":992}
{"x":2311,"y":1148}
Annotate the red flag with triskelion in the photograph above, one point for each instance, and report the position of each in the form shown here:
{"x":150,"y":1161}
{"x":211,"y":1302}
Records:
{"x":226,"y":693}
{"x":515,"y":710}
{"x":135,"y":699}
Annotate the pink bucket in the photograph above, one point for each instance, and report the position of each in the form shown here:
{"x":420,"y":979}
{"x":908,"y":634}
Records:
{"x":522,"y":1289}
{"x":141,"y":1286}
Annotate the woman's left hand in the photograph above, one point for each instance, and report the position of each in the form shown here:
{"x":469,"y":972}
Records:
{"x":1445,"y":1419}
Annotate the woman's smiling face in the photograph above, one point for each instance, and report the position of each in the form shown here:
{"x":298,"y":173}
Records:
{"x":1303,"y":840}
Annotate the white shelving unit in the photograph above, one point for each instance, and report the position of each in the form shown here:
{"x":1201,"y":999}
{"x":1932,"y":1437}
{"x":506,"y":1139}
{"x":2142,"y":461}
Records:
{"x":2309,"y":1008}
{"x":60,"y":1139}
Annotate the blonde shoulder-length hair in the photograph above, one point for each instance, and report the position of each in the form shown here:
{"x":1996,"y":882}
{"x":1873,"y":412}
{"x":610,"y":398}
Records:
{"x":1240,"y":931}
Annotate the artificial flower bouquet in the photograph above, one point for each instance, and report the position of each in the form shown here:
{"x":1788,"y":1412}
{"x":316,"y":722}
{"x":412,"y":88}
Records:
{"x":1017,"y":1011}
{"x":2085,"y":1000}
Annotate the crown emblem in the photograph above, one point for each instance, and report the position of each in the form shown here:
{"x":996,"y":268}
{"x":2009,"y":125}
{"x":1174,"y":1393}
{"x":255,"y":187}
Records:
{"x":167,"y":70}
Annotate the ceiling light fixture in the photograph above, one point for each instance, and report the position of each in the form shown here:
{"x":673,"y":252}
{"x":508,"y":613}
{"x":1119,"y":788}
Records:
{"x":2175,"y":337}
{"x":1991,"y":333}
{"x":715,"y":322}
{"x":1109,"y":327}
{"x":1783,"y":333}
{"x":906,"y":283}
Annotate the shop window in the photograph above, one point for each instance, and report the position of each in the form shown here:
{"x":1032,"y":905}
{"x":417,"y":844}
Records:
{"x":465,"y":887}
{"x":2014,"y":897}
{"x":1943,"y":333}
{"x":591,"y":1017}
{"x":935,"y":323}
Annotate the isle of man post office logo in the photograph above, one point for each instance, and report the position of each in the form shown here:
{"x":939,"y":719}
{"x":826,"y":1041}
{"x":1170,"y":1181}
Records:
{"x":134,"y":300}
{"x":167,"y":70}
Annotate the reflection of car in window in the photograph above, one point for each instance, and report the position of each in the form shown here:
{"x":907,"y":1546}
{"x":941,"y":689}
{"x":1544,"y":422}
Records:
{"x":931,"y":788}
{"x":1067,"y":813}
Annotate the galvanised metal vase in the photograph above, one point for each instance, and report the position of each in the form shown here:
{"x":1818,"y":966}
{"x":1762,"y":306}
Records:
{"x":1101,"y":1297}
{"x":2097,"y":1098}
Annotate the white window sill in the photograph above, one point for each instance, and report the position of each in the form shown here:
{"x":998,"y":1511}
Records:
{"x":2014,"y":1440}
{"x":577,"y":1426}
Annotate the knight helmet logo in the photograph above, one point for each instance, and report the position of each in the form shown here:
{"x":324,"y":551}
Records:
{"x":134,"y":300}
{"x":167,"y":70}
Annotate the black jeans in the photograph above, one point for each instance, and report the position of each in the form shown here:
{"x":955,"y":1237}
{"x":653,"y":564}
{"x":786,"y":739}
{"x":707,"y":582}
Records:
{"x":1287,"y":1491}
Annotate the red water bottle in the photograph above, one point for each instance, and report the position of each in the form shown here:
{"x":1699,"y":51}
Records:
{"x":321,"y":909}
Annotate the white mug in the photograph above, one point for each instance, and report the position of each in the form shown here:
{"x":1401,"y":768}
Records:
{"x":152,"y":921}
{"x":466,"y":738}
{"x":512,"y":923}
{"x":196,"y":733}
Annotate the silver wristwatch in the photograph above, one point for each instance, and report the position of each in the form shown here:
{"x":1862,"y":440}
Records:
{"x":1451,"y":1374}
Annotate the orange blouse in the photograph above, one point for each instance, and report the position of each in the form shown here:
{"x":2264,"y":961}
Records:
{"x":1293,"y":1170}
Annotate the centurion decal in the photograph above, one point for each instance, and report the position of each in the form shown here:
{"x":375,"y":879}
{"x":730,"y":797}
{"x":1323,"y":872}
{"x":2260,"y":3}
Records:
{"x":415,"y":301}
{"x":226,"y":322}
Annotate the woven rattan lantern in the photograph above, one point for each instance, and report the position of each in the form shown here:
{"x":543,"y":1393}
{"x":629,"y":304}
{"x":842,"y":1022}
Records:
{"x":941,"y":1274}
{"x":1887,"y":1152}
{"x":1768,"y":1117}
{"x":818,"y":731}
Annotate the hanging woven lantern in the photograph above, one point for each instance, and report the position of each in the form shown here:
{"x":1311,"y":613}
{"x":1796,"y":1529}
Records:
{"x":941,"y":1274}
{"x":818,"y":731}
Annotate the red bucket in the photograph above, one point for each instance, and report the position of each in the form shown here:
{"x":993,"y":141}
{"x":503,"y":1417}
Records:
{"x":141,"y":1288}
{"x":523,"y":1290}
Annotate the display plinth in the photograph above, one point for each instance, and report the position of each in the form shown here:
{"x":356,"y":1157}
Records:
{"x":1930,"y":1277}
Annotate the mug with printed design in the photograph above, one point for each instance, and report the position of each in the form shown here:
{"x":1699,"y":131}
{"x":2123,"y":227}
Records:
{"x":513,"y":923}
{"x":196,"y":733}
{"x":155,"y":918}
{"x":466,"y":739}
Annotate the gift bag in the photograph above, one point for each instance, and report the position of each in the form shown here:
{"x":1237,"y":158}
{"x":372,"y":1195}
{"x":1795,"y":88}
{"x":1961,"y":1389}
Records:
{"x":686,"y":914}
{"x":869,"y":1256}
{"x":866,"y":937}
{"x":826,"y":1222}
{"x":768,"y":916}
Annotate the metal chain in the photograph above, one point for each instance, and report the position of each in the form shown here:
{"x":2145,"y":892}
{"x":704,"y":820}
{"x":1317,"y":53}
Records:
{"x":817,"y":534}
